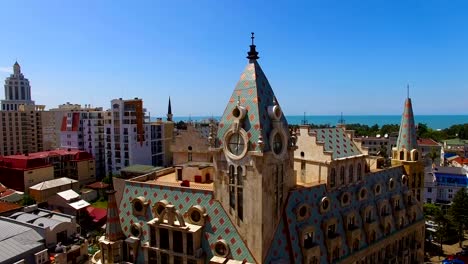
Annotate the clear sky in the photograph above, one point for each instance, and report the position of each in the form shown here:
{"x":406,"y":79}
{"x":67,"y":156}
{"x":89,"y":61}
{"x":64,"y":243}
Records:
{"x":321,"y":57}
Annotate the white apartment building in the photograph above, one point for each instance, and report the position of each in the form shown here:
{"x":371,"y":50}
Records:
{"x":127,"y":137}
{"x":83,"y":129}
{"x":130,"y":137}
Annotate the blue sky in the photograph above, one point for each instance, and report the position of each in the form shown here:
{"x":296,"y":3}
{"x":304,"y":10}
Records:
{"x":321,"y":57}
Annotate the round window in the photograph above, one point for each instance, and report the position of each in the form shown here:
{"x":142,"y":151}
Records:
{"x":138,"y":206}
{"x":345,"y":198}
{"x":303,"y":211}
{"x":195,"y":216}
{"x":277,"y":143}
{"x":221,"y":248}
{"x":135,"y":230}
{"x":325,"y":204}
{"x":377,"y":189}
{"x":236,"y":144}
{"x":236,"y":112}
{"x":391,"y":183}
{"x":363,"y":193}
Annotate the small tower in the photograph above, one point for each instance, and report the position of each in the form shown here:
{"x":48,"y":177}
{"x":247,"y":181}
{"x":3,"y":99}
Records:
{"x":112,"y":243}
{"x":406,"y":152}
{"x":169,"y":111}
{"x":253,"y":158}
{"x":16,"y":69}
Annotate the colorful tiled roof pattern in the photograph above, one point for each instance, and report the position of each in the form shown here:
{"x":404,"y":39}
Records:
{"x":285,"y":247}
{"x":336,"y":141}
{"x":113,"y":228}
{"x":253,"y":91}
{"x":407,"y":137}
{"x":218,"y":224}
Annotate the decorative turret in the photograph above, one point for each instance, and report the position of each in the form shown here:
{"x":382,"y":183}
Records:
{"x":406,"y":152}
{"x":112,"y":242}
{"x":113,"y":228}
{"x":169,"y":111}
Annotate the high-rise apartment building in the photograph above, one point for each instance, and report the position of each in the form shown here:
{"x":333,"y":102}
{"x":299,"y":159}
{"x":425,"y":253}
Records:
{"x":20,"y":119}
{"x":83,"y":129}
{"x":52,"y":124}
{"x":126,"y":136}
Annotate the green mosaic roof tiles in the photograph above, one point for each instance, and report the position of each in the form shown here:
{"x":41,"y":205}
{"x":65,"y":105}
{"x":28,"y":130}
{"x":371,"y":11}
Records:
{"x":407,"y":137}
{"x":253,"y":91}
{"x":336,"y":141}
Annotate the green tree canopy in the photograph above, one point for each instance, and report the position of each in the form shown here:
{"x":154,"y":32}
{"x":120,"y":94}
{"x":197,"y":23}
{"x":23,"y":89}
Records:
{"x":458,"y":212}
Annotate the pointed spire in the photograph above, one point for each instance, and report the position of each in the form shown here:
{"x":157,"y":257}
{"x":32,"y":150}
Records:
{"x":407,"y":136}
{"x":252,"y":54}
{"x":169,"y":111}
{"x":113,"y":228}
{"x":16,"y":68}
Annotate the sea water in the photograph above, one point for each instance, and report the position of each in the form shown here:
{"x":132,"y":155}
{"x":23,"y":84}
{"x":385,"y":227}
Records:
{"x":432,"y":121}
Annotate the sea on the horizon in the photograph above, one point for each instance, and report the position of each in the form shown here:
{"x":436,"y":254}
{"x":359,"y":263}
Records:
{"x":432,"y":121}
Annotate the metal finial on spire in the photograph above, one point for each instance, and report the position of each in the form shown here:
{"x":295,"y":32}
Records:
{"x":252,"y":54}
{"x":407,"y":91}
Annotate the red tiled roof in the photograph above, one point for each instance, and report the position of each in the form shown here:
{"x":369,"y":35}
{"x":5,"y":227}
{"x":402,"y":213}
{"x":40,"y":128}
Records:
{"x":427,"y":141}
{"x":6,"y":192}
{"x":98,"y":185}
{"x":5,"y":207}
{"x":98,"y":214}
{"x":39,"y":159}
{"x":460,"y":160}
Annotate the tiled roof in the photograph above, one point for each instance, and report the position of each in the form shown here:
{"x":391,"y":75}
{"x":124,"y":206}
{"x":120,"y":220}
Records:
{"x":427,"y":142}
{"x":253,"y":91}
{"x":336,"y":141}
{"x":113,"y":228}
{"x":98,"y":185}
{"x":407,"y":135}
{"x":6,"y":207}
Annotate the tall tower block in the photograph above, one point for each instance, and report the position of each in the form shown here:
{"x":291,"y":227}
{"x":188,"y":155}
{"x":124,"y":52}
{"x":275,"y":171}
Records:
{"x":407,"y":153}
{"x":253,"y":158}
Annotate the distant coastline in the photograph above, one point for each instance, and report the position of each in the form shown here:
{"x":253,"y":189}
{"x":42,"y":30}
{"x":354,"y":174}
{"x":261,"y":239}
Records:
{"x":432,"y":121}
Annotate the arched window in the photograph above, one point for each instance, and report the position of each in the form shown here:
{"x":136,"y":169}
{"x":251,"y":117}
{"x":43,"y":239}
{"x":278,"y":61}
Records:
{"x":416,"y":156}
{"x":342,"y":175}
{"x":232,"y":194}
{"x":240,"y":194}
{"x":359,"y":172}
{"x":332,"y":177}
{"x":402,"y":155}
{"x":351,"y":174}
{"x":302,"y":154}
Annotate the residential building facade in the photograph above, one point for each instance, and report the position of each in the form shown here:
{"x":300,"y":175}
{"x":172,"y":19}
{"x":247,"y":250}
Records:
{"x":20,"y":172}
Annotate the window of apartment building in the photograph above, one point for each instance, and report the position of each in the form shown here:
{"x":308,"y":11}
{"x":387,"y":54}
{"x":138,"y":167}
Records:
{"x":429,"y":189}
{"x":450,"y":190}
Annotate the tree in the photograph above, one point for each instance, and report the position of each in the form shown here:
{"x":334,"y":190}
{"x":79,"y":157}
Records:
{"x":442,"y":223}
{"x":433,"y":155}
{"x":431,"y":209}
{"x":459,"y":213}
{"x":27,"y":200}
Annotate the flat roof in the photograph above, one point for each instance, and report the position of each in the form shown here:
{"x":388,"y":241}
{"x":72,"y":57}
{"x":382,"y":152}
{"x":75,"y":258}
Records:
{"x":68,"y":195}
{"x":138,"y":168}
{"x":170,"y":179}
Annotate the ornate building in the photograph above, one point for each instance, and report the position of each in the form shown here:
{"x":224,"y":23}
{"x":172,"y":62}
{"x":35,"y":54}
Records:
{"x":277,"y":196}
{"x":17,"y":90}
